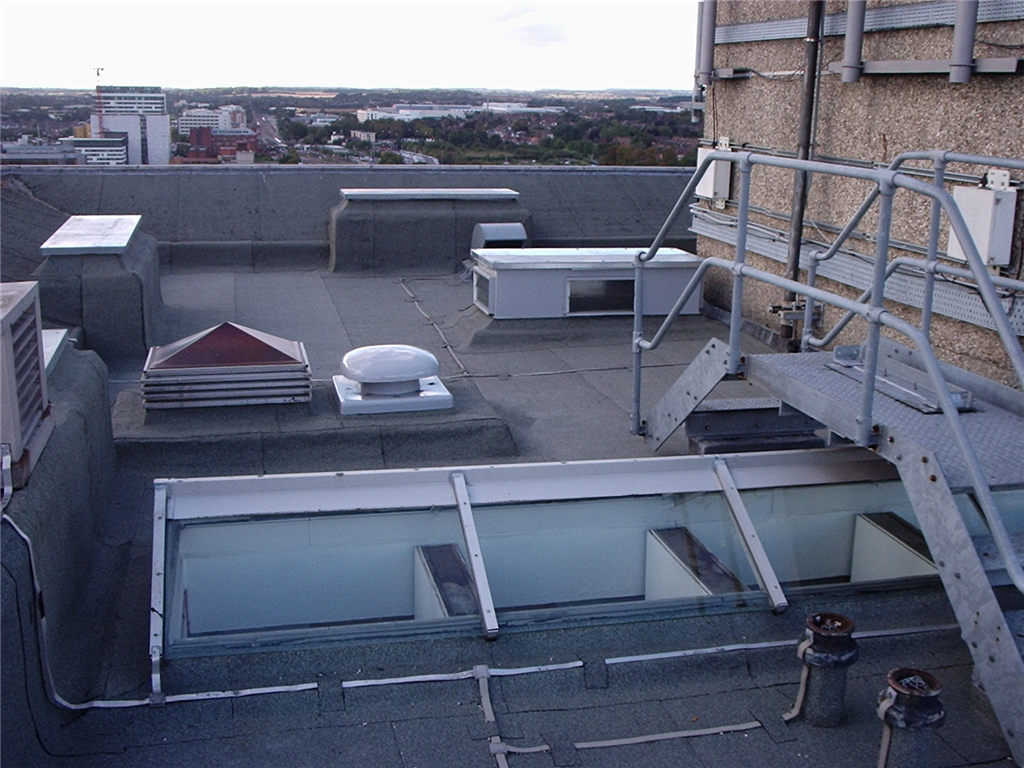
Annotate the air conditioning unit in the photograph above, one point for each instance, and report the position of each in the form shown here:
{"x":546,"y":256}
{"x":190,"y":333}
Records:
{"x":26,"y":421}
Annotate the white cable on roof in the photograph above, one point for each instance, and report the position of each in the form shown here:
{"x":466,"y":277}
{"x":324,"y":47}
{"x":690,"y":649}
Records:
{"x":666,"y":736}
{"x":438,"y":678}
{"x":541,"y":668}
{"x":60,"y":701}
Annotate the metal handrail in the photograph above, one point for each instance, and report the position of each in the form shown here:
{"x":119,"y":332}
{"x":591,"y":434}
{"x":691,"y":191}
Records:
{"x":926,"y":266}
{"x":940,"y":159}
{"x":881,"y":317}
{"x":887,"y":182}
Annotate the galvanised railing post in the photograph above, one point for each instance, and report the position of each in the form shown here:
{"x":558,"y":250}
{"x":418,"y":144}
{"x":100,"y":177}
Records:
{"x":812,"y":278}
{"x":743,"y":216}
{"x":933,"y":250}
{"x":864,"y":421}
{"x":638,"y":334}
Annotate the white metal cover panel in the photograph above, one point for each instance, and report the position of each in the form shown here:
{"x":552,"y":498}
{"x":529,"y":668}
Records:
{"x":92,"y":234}
{"x":430,"y":193}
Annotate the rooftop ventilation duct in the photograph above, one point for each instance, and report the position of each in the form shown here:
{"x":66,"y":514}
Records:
{"x":27,"y":421}
{"x":389,"y":378}
{"x":228,"y":364}
{"x":499,"y":235}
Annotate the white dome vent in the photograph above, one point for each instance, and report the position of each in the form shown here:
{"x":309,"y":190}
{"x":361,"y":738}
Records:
{"x":388,"y":378}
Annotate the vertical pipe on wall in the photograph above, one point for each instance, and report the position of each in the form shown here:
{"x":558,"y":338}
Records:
{"x":706,"y":68}
{"x":961,"y":61}
{"x":700,"y":39}
{"x":854,"y":42}
{"x":815,"y":16}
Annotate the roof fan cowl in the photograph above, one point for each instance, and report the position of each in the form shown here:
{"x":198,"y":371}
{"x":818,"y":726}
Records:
{"x":390,"y":377}
{"x":389,"y":369}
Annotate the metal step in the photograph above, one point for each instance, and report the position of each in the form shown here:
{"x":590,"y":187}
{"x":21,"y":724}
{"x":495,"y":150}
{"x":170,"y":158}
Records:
{"x":806,"y":382}
{"x":986,"y":630}
{"x":992,"y":561}
{"x":1015,"y":623}
{"x":700,"y":377}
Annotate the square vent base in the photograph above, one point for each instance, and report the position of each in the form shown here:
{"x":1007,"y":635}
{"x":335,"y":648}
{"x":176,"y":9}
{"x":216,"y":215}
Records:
{"x":432,"y":396}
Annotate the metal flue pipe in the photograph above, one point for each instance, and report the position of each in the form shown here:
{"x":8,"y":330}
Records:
{"x":854,"y":41}
{"x":801,"y":181}
{"x":961,"y":60}
{"x":706,"y":68}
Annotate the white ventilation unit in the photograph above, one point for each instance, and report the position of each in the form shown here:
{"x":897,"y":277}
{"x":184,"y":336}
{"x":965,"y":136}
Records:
{"x":510,"y":234}
{"x":520,"y":283}
{"x":26,"y":420}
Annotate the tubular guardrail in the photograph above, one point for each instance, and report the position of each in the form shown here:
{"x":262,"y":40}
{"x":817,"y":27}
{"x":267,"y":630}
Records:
{"x":940,"y":159}
{"x":869,"y":306}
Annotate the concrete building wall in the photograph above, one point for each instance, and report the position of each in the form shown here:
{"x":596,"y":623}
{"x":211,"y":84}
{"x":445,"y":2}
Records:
{"x":158,"y":139}
{"x":870,"y":121}
{"x":156,"y":150}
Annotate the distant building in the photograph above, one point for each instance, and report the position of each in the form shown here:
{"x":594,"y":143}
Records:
{"x":414,"y":112}
{"x":370,"y":136}
{"x":321,"y":119}
{"x":458,"y":111}
{"x":229,"y":142}
{"x":140,"y":112}
{"x":227,"y":145}
{"x":112,"y":150}
{"x":227,"y":117}
{"x":130,"y":100}
{"x":513,"y":107}
{"x":53,"y":154}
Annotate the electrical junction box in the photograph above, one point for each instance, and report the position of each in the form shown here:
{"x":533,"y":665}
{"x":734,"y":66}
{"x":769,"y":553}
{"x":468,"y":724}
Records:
{"x":715,"y":182}
{"x":989,"y":216}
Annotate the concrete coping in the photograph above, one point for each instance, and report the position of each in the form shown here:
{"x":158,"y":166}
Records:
{"x":54,"y":342}
{"x":431,"y":193}
{"x":579,"y":258}
{"x":92,"y":235}
{"x":14,"y":297}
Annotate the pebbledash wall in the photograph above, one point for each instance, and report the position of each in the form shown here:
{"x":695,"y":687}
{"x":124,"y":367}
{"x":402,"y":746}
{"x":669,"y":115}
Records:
{"x":277,"y":216}
{"x":866,"y":122}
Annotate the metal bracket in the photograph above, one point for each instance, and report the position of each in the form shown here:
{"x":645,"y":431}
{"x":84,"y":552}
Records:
{"x":899,"y":381}
{"x":700,"y":377}
{"x":793,"y":312}
{"x":476,"y":559}
{"x":748,"y":536}
{"x":8,"y":478}
{"x":156,"y":604}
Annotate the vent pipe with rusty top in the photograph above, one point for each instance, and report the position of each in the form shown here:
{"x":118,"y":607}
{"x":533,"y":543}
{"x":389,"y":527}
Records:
{"x":911,"y":706}
{"x":826,"y":651}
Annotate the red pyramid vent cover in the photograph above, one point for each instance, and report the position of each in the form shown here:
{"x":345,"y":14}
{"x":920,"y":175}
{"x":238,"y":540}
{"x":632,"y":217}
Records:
{"x":225,"y":345}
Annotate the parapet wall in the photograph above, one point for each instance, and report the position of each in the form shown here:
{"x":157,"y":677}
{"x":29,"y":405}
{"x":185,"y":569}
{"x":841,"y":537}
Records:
{"x":277,"y":216}
{"x":66,"y":511}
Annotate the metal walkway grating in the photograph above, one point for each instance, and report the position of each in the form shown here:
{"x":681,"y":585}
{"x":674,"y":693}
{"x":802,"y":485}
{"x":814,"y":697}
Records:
{"x":803,"y":381}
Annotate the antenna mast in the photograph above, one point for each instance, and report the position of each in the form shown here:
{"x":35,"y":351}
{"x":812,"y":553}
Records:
{"x":99,"y":104}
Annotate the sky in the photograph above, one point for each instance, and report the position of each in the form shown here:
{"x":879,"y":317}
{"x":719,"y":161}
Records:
{"x":556,"y":44}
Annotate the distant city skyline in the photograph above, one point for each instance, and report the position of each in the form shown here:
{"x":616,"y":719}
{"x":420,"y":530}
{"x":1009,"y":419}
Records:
{"x":553,"y":44}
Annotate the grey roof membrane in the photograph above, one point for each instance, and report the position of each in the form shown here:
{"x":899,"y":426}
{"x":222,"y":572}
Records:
{"x":563,"y":390}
